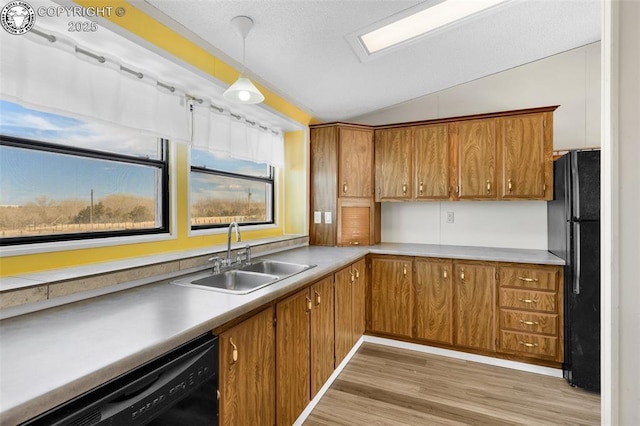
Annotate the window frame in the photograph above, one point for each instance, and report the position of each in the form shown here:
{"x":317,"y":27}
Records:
{"x":162,"y":164}
{"x":268,"y":180}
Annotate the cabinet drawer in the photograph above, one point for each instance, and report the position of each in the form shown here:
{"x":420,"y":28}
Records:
{"x":530,"y":344}
{"x":529,"y":322}
{"x":529,"y":300}
{"x":542,"y":279}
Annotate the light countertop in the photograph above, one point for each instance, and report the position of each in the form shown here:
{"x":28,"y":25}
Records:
{"x":50,"y":356}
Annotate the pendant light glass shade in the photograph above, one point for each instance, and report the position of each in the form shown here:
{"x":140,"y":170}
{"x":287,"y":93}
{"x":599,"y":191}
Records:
{"x":243,"y":91}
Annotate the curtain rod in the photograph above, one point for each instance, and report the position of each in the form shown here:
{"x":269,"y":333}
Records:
{"x":52,"y":39}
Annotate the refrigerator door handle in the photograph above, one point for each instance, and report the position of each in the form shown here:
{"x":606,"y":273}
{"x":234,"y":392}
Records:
{"x":576,"y":265}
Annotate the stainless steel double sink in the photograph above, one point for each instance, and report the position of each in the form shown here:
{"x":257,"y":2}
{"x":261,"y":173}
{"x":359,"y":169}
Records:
{"x":245,"y":278}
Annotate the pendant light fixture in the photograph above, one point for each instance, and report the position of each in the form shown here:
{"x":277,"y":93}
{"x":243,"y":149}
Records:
{"x":243,"y":90}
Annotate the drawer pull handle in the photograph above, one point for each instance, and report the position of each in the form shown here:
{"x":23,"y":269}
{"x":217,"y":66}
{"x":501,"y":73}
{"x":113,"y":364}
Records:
{"x":529,"y":300}
{"x":529,"y":345}
{"x":308,"y":304}
{"x":421,"y":188}
{"x":353,"y":277}
{"x":528,"y":280}
{"x":404,"y":188}
{"x":344,"y":187}
{"x":510,"y":186}
{"x":529,"y":322}
{"x":234,"y":354}
{"x":488,"y":186}
{"x":444,"y":275}
{"x":357,"y":273}
{"x":317,"y":297}
{"x":462,"y":275}
{"x":404,"y":270}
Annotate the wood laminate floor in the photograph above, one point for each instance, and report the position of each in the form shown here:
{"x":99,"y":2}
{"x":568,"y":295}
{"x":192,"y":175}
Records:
{"x":389,"y":386}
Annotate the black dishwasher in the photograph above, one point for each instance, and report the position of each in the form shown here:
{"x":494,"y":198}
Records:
{"x":177,"y":388}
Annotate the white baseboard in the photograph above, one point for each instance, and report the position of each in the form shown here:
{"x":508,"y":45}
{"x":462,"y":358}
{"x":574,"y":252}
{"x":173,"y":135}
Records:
{"x":547,"y":371}
{"x":309,"y":408}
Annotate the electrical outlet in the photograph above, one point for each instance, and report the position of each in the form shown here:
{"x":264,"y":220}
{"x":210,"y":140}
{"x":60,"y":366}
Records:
{"x":450,"y":217}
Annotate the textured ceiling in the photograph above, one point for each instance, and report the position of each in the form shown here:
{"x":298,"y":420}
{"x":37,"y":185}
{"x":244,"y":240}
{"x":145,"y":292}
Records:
{"x":299,"y":50}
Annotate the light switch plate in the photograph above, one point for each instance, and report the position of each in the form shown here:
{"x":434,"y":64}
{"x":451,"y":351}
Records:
{"x":327,"y":217}
{"x":317,"y":217}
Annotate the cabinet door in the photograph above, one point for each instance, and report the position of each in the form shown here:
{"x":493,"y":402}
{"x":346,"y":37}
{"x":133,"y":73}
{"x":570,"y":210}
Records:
{"x":476,"y":159}
{"x":343,"y":281}
{"x":394,"y":166}
{"x":322,"y":334}
{"x":391,"y":296}
{"x":525,"y":155}
{"x":355,"y":225}
{"x":247,"y":372}
{"x":323,"y":186}
{"x":431,"y":162}
{"x":474,"y":306}
{"x":433,"y":315}
{"x":356,"y":163}
{"x":358,"y":294}
{"x":292,"y":354}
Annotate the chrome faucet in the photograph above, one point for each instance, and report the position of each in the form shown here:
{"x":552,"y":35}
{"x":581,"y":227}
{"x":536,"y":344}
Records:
{"x":231,"y":226}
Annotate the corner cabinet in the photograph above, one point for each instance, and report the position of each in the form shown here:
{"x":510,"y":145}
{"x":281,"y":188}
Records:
{"x":496,"y":156}
{"x":247,"y":372}
{"x":342,"y":211}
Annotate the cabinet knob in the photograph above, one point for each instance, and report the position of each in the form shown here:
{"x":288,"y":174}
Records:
{"x":488,"y":186}
{"x":344,"y":187}
{"x":308,"y":304}
{"x":404,"y":188}
{"x":357,"y":273}
{"x":462,"y":275}
{"x":510,"y":186}
{"x":234,"y":353}
{"x":404,"y":270}
{"x":317,"y":297}
{"x":421,"y":189}
{"x":353,"y":278}
{"x":444,"y":274}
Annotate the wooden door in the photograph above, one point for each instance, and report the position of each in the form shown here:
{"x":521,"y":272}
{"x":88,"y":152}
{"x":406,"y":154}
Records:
{"x":526,"y":152}
{"x":474,"y":306}
{"x":322,"y":334}
{"x":432,"y":164}
{"x":247,"y":372}
{"x":433,"y":314}
{"x":356,"y":163}
{"x":391,"y":296}
{"x":393,"y":165}
{"x":358,"y":296}
{"x":343,"y":315}
{"x":476,"y":148}
{"x":323,"y":186}
{"x":293,"y":356}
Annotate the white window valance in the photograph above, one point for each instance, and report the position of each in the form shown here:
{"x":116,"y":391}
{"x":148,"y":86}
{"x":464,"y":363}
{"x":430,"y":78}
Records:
{"x":63,"y":77}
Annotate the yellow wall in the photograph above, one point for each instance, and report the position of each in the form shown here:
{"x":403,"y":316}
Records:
{"x":294,"y":174}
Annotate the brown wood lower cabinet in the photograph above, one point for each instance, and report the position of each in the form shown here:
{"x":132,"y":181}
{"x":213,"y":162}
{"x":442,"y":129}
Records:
{"x":247,"y":372}
{"x":350,"y":290}
{"x":304,"y":349}
{"x":493,"y":308}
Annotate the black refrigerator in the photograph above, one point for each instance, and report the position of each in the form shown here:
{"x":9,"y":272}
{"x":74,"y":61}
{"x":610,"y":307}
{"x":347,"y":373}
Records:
{"x":573,"y":220}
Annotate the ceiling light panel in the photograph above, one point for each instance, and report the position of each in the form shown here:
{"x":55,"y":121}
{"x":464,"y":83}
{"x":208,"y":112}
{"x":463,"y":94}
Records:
{"x":416,"y":22}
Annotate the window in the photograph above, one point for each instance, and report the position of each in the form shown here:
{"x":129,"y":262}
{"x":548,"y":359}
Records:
{"x":67,"y":179}
{"x":225,"y":190}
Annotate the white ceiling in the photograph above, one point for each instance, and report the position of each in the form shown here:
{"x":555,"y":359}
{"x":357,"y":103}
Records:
{"x":299,"y":48}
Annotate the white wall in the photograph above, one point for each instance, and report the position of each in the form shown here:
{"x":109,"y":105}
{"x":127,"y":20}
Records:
{"x":570,"y":79}
{"x":621,"y":205}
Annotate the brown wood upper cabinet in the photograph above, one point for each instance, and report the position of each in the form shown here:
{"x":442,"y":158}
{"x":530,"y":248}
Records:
{"x":342,"y":185}
{"x":526,"y":143}
{"x":474,"y":142}
{"x":247,"y":372}
{"x":497,"y":156}
{"x":304,"y":349}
